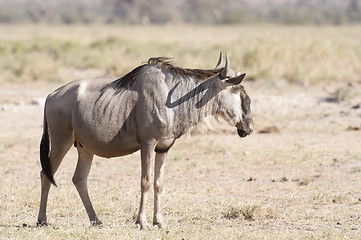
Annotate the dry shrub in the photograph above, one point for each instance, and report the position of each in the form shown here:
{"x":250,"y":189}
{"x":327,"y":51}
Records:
{"x":250,"y":212}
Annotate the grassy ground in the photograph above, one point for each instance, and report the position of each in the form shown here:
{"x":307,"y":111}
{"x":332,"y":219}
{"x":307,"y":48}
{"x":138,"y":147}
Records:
{"x":299,"y":180}
{"x":296,"y":54}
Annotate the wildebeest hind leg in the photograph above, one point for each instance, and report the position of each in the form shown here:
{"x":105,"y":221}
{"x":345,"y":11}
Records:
{"x":59,"y":147}
{"x":80,"y":178}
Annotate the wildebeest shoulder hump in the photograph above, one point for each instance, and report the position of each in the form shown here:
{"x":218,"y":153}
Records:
{"x":128,"y":79}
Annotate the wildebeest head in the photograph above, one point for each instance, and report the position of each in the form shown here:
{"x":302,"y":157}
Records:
{"x":234,"y":103}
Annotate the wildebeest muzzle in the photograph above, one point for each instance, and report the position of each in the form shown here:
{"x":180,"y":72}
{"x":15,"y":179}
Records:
{"x":246,"y":128}
{"x":242,"y":133}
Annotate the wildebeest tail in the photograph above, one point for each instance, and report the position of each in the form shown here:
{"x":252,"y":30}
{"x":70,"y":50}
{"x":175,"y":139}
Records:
{"x":44,"y":153}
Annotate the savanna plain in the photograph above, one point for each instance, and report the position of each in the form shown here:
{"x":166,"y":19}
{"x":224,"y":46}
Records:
{"x":296,"y":177}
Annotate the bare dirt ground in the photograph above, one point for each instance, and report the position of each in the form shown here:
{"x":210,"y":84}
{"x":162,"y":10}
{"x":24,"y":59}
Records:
{"x":297,"y":177}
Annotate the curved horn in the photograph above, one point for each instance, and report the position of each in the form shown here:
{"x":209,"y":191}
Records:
{"x":226,"y":69}
{"x":219,"y":63}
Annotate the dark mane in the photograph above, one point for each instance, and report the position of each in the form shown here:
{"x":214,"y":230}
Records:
{"x":127,"y":80}
{"x":200,"y":74}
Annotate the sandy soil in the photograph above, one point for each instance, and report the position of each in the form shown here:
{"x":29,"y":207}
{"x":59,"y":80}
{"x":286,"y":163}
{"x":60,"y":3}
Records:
{"x":297,"y":176}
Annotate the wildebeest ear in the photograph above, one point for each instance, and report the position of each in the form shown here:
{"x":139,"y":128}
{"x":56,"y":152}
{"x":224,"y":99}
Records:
{"x":236,"y":80}
{"x":232,"y":81}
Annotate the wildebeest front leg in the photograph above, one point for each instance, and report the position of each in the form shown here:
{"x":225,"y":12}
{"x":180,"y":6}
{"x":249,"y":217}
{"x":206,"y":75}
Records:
{"x":158,"y":188}
{"x":147,"y":154}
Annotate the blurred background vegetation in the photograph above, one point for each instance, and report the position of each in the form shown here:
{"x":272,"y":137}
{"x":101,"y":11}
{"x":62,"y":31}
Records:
{"x":298,"y":41}
{"x":181,"y":11}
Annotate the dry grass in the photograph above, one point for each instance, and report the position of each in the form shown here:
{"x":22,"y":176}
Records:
{"x":208,"y":194}
{"x":294,"y":184}
{"x":296,"y":54}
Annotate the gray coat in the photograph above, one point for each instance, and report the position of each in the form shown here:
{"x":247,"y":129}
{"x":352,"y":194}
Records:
{"x":147,"y":109}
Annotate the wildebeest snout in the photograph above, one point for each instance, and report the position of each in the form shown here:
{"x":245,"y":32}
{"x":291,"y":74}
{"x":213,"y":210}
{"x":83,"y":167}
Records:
{"x":246,"y":127}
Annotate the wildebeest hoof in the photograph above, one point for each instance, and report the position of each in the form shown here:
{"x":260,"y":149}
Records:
{"x":43,"y":223}
{"x":143,"y":225}
{"x":159,"y":223}
{"x":96,"y":223}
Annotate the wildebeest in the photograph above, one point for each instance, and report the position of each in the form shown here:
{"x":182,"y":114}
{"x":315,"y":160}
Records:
{"x":147,"y":109}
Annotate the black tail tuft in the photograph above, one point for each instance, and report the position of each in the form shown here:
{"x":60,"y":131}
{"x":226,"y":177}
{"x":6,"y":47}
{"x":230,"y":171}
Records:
{"x":44,"y":153}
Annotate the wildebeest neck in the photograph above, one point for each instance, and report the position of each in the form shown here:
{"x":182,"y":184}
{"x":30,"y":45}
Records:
{"x":195,"y":94}
{"x":191,"y":102}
